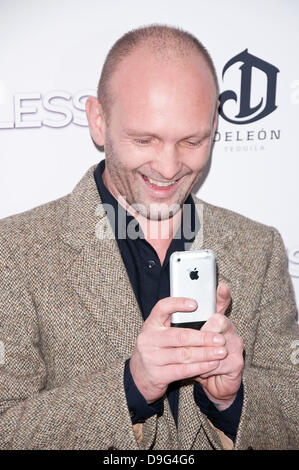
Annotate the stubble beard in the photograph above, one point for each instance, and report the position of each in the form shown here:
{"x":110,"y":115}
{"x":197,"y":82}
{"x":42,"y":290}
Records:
{"x":120,"y":177}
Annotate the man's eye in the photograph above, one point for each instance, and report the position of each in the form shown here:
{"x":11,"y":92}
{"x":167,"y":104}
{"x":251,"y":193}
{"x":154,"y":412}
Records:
{"x":142,"y":141}
{"x":193,"y":144}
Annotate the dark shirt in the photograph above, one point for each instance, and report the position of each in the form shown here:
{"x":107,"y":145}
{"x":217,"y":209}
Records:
{"x":150,"y":282}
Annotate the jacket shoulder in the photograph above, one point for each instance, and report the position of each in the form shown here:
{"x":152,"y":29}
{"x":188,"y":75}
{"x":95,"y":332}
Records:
{"x":36,"y":225}
{"x":249,"y":241}
{"x":227,"y":219}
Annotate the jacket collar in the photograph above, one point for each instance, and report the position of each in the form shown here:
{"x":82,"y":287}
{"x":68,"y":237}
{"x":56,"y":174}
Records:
{"x":85,"y":211}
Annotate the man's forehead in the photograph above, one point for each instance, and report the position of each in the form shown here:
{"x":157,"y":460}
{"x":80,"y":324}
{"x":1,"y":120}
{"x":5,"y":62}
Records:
{"x":143,"y":66}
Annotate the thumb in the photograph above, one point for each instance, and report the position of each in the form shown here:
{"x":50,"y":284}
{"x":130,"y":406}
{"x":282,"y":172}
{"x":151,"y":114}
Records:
{"x":223,"y":298}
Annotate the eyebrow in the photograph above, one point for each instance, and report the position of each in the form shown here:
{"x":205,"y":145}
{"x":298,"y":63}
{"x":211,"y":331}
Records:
{"x":140,"y":132}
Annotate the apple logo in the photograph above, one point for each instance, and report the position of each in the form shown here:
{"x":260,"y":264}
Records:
{"x":194,"y":274}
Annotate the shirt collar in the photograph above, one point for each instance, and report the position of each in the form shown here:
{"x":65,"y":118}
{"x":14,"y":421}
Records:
{"x":116,"y":213}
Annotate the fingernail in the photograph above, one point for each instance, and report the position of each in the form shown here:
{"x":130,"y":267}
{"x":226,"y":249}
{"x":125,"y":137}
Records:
{"x":219,"y":351}
{"x":218,"y":339}
{"x":222,"y":289}
{"x":191,"y":303}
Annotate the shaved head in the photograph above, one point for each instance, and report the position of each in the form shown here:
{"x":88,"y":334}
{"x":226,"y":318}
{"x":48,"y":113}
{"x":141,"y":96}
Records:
{"x":155,"y":42}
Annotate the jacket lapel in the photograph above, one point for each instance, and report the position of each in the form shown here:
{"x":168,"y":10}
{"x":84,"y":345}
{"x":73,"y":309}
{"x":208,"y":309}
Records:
{"x":215,"y":234}
{"x":230,"y":271}
{"x":98,"y":274}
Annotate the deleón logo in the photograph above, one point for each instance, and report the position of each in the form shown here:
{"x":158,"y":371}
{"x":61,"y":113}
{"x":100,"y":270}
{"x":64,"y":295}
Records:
{"x":266,"y":104}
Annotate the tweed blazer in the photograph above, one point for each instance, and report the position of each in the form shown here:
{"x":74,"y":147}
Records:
{"x":69,"y":320}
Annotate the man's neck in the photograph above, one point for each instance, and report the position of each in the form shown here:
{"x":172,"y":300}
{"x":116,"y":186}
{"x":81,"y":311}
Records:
{"x":158,"y":233}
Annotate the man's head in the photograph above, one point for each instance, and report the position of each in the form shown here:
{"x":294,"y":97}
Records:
{"x":155,"y":115}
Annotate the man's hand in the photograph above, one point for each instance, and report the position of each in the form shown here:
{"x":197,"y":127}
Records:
{"x":164,"y":354}
{"x":221,"y":384}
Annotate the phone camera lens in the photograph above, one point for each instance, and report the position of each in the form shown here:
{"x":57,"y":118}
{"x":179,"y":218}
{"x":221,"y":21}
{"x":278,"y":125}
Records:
{"x":179,"y":259}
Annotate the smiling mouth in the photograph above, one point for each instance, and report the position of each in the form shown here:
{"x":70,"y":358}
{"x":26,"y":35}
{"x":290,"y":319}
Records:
{"x":159,"y":184}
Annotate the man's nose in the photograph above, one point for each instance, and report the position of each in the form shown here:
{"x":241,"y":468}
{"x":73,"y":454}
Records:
{"x":167,"y":162}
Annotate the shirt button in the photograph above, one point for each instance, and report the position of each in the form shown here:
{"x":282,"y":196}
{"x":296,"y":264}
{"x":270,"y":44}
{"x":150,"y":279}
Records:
{"x":151,"y":263}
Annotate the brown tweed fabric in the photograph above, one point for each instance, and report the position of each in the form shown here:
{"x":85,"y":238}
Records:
{"x":69,"y":320}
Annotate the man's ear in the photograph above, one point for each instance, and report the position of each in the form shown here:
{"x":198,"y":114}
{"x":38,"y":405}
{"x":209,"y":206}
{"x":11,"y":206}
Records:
{"x":216,"y":114}
{"x":96,"y":120}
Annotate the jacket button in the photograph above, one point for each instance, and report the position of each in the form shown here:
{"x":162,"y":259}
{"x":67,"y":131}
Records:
{"x":112,"y":448}
{"x":249,"y":448}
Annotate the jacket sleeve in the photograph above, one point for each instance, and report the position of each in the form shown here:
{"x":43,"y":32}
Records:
{"x":269,"y":418}
{"x":89,"y":412}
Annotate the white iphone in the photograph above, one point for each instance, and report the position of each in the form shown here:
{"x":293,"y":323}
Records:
{"x":193,"y":275}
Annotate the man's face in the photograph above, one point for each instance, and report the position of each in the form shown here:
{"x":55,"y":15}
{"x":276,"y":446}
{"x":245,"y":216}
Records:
{"x":160,"y":131}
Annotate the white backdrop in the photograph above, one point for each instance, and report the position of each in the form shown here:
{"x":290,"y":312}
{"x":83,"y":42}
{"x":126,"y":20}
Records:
{"x":51,"y":54}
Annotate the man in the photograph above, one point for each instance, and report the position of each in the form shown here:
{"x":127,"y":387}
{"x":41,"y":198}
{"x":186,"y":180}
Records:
{"x":91,"y":361}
